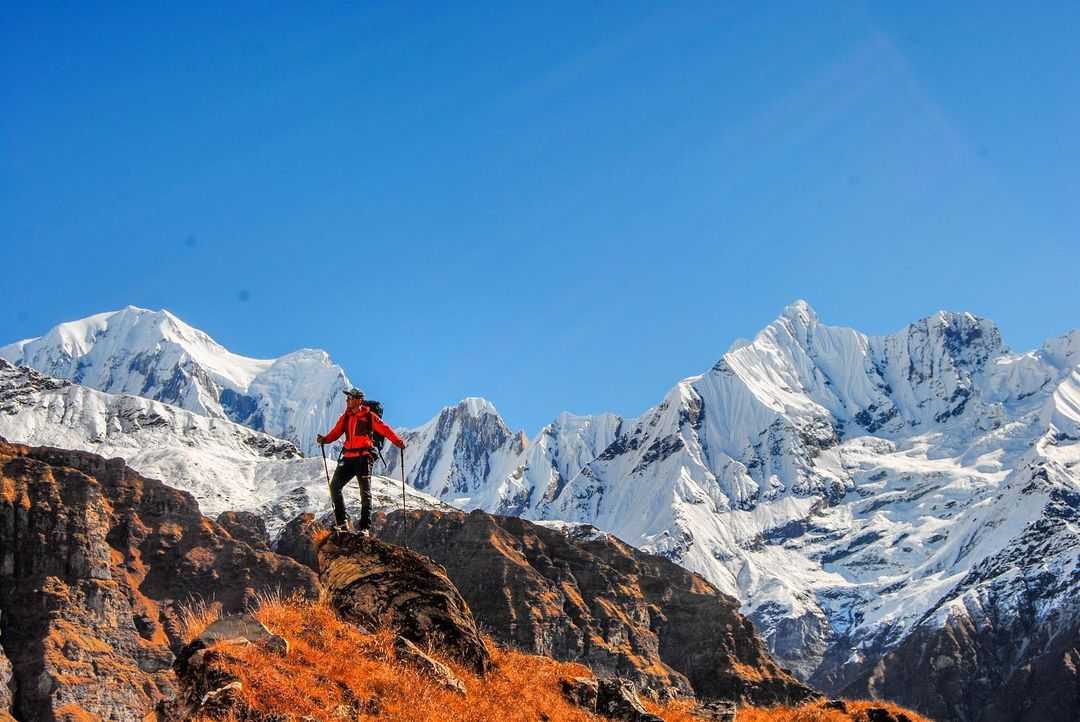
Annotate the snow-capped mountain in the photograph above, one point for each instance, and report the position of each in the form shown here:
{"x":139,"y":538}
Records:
{"x":225,"y":465}
{"x":468,"y":457}
{"x":883,"y":506}
{"x":155,"y":355}
{"x":853,"y":491}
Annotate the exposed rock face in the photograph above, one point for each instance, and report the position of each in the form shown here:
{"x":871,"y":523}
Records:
{"x":1004,"y":643}
{"x":6,"y":696}
{"x":371,"y":583}
{"x":958,"y":673}
{"x":297,"y":540}
{"x":93,"y":562}
{"x":207,"y":688}
{"x":596,"y":600}
{"x":612,"y":698}
{"x":246,"y":527}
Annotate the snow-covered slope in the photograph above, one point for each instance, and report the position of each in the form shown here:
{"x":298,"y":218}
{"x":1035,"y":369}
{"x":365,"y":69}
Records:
{"x":155,"y":355}
{"x":847,"y":488}
{"x":225,"y":465}
{"x":468,"y":457}
{"x":843,"y":486}
{"x":853,"y":491}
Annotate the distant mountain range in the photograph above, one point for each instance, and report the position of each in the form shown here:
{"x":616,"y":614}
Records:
{"x":899,"y":515}
{"x":155,"y":355}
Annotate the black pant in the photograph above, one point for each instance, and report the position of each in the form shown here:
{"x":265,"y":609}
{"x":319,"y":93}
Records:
{"x":360,"y":467}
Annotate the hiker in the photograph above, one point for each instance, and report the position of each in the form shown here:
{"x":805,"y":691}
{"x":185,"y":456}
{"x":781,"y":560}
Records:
{"x":358,"y":423}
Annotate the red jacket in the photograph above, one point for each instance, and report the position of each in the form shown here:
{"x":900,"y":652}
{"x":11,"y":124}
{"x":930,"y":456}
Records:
{"x":357,"y":428}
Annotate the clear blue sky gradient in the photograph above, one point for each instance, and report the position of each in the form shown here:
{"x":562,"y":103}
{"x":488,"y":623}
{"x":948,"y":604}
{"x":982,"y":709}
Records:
{"x":559,"y":208}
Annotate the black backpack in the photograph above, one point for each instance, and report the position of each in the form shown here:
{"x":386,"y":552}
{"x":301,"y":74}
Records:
{"x":377,"y":439}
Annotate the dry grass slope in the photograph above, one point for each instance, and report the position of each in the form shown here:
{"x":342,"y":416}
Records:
{"x":334,"y":672}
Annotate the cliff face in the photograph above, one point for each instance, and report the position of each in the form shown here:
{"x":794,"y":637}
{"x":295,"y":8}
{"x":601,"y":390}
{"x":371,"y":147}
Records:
{"x":967,"y":671}
{"x":587,"y":597}
{"x":94,"y":560}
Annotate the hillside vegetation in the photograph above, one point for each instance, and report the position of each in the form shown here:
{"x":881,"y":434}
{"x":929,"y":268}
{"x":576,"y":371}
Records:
{"x":335,"y":672}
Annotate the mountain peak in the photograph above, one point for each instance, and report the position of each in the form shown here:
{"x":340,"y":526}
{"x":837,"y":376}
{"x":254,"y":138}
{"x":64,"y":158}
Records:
{"x":801,"y":312}
{"x":477,"y":406}
{"x":155,"y":354}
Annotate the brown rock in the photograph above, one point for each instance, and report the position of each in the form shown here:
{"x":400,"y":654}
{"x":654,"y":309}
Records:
{"x":596,"y":600}
{"x":246,"y":527}
{"x":94,"y":559}
{"x":617,"y":699}
{"x":882,"y":714}
{"x":297,"y":540}
{"x":956,"y":672}
{"x":373,"y":584}
{"x":716,"y":711}
{"x":612,"y":698}
{"x":581,"y":692}
{"x":242,"y":628}
{"x":6,"y":681}
{"x":207,"y":690}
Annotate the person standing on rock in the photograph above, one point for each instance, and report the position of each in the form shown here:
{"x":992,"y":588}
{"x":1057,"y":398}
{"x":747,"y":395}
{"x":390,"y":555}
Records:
{"x":358,"y":423}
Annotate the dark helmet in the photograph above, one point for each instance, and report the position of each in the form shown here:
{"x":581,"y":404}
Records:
{"x":354,"y":394}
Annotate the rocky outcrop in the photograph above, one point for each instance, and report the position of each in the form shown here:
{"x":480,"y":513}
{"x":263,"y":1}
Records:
{"x":962,"y":672}
{"x":246,"y":527}
{"x":297,"y":540}
{"x":241,"y":629}
{"x":6,"y":683}
{"x":590,"y":598}
{"x":207,"y":686}
{"x":611,"y":698}
{"x":94,"y":561}
{"x":373,"y":584}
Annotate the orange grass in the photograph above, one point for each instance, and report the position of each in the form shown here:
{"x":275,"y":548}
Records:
{"x":334,"y":672}
{"x":195,"y":616}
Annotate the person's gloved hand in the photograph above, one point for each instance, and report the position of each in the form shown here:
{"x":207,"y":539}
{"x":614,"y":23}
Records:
{"x":319,"y":438}
{"x":401,"y":445}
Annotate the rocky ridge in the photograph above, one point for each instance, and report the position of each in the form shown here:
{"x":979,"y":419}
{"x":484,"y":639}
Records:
{"x":591,"y":599}
{"x":94,"y":561}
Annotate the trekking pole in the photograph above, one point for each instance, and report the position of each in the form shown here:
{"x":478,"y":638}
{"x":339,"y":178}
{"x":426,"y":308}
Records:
{"x":327,"y":470}
{"x":404,"y":519}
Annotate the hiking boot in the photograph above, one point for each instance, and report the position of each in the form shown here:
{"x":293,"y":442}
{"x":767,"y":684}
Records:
{"x":343,"y":527}
{"x":364,"y":532}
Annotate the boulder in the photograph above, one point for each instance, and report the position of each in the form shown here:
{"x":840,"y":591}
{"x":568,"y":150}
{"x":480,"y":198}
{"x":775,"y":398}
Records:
{"x":715,"y":711}
{"x":6,"y":682}
{"x":246,"y":527}
{"x":581,"y":692}
{"x":615,"y":699}
{"x":881,"y":714}
{"x":242,"y":629}
{"x":207,"y":689}
{"x":373,"y":584}
{"x":297,"y":540}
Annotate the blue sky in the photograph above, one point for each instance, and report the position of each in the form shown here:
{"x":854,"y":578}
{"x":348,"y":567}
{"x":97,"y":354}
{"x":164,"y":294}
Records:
{"x":565,"y":207}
